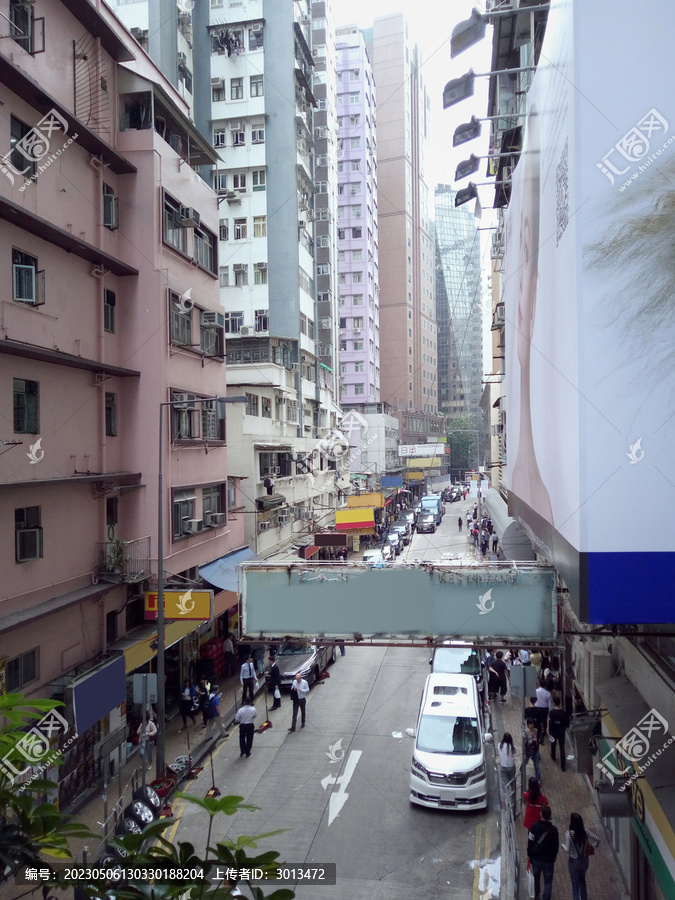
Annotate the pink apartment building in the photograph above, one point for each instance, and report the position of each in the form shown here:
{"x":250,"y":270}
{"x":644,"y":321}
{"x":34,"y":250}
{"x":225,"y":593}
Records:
{"x":105,"y":225}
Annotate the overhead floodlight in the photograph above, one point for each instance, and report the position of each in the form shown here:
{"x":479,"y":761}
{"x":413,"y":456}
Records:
{"x":467,"y":167}
{"x":467,"y":33}
{"x":466,"y":132}
{"x":466,"y":195}
{"x":459,"y":89}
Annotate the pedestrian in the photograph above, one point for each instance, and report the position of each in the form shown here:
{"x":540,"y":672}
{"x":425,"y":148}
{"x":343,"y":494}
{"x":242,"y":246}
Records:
{"x":203,"y":693}
{"x":275,"y":682}
{"x":532,"y":748}
{"x":524,"y":657}
{"x":247,"y":680}
{"x":558,"y":723}
{"x":215,"y":719}
{"x":551,"y":677}
{"x":544,"y":704}
{"x":534,"y":799}
{"x":483,"y":547}
{"x":147,"y":733}
{"x":299,"y":691}
{"x":228,"y":655}
{"x":497,"y":677}
{"x":188,"y":700}
{"x":543,"y":844}
{"x":577,"y":842}
{"x":459,"y":524}
{"x":507,"y":766}
{"x":495,"y":542}
{"x":475,"y":535}
{"x":245,"y":717}
{"x":341,"y":645}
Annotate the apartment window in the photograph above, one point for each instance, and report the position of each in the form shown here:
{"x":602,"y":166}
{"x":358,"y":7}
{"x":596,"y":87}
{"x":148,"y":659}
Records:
{"x":340,"y":212}
{"x":266,"y":407}
{"x":258,"y":179}
{"x":256,"y":85}
{"x":240,"y":230}
{"x":28,"y":533}
{"x":22,"y":669}
{"x":211,"y":340}
{"x":341,"y":234}
{"x":212,"y":501}
{"x":355,"y":143}
{"x":231,"y":493}
{"x":224,"y":230}
{"x":217,"y":93}
{"x":358,"y":388}
{"x":233,"y":322}
{"x":224,"y":276}
{"x":357,"y":277}
{"x":303,"y":323}
{"x":357,"y":300}
{"x":181,"y":321}
{"x":28,"y":283}
{"x":21,"y":158}
{"x":343,"y":345}
{"x":341,"y":188}
{"x":174,"y":233}
{"x":255,"y":36}
{"x":183,"y":507}
{"x":257,"y":135}
{"x":111,"y":415}
{"x":342,"y":278}
{"x":259,"y":226}
{"x":26,"y":407}
{"x":219,"y":139}
{"x":262,"y":320}
{"x":358,"y":345}
{"x":319,"y":23}
{"x":358,"y":367}
{"x":252,"y":404}
{"x":355,"y":119}
{"x":355,"y":188}
{"x":110,"y":209}
{"x":109,"y":311}
{"x":357,"y":255}
{"x":356,"y":165}
{"x":358,"y":322}
{"x":240,"y":275}
{"x":239,"y":181}
{"x":204,"y":249}
{"x":356,"y":210}
{"x":343,"y":322}
{"x":184,"y":417}
{"x":260,"y":274}
{"x":239,"y":138}
{"x":112,"y":511}
{"x":220,"y":182}
{"x":354,"y":74}
{"x":356,"y":232}
{"x":236,"y":88}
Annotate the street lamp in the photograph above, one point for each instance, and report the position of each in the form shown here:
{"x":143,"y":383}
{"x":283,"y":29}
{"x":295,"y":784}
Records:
{"x":161,"y":693}
{"x":459,"y":89}
{"x":472,"y":30}
{"x":471,"y":130}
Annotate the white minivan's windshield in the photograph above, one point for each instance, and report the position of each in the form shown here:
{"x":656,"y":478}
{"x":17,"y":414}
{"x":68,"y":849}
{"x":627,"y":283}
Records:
{"x":448,"y":734}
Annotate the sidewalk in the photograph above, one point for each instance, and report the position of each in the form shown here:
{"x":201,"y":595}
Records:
{"x":567,"y":792}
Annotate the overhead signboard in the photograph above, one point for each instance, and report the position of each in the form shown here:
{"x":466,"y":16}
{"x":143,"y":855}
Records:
{"x":373,"y":499}
{"x":423,"y":449}
{"x":329,"y":539}
{"x":435,"y":599}
{"x":414,"y":476}
{"x":355,"y":519}
{"x":187,"y":605}
{"x":424,"y":462}
{"x":391,"y":481}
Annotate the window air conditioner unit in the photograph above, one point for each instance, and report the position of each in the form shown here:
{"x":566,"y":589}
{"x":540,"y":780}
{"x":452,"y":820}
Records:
{"x":261,"y":265}
{"x":192,"y":526}
{"x":256,"y":28}
{"x":502,"y":417}
{"x":190,"y":218}
{"x":265,"y":526}
{"x":213,"y":318}
{"x":284,"y":518}
{"x":137,"y":33}
{"x":217,"y":518}
{"x":181,"y":401}
{"x":182,"y":59}
{"x":295,"y":367}
{"x":238,"y":267}
{"x":216,"y":82}
{"x":232,"y":196}
{"x":326,"y":323}
{"x":244,"y":331}
{"x":235,"y":126}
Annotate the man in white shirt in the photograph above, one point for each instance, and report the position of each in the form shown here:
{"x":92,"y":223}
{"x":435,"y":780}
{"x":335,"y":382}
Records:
{"x":245,"y":717}
{"x":299,"y":691}
{"x":247,"y":679}
{"x":542,"y":704}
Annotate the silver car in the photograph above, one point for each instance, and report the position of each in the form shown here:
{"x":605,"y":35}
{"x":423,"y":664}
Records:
{"x":308,"y":659}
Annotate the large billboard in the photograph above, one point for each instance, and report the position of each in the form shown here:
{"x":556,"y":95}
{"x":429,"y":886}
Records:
{"x":589,"y":295}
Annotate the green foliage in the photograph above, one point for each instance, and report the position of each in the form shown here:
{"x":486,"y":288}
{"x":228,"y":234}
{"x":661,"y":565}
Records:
{"x":462,"y":440}
{"x":30,"y":830}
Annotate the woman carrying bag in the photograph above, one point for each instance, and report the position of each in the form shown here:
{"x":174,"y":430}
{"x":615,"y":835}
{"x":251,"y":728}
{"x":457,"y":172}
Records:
{"x":580,"y":843}
{"x":534,"y":799}
{"x":507,"y":765}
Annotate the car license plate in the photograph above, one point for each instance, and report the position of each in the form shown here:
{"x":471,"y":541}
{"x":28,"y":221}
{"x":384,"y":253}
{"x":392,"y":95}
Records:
{"x":447,"y":797}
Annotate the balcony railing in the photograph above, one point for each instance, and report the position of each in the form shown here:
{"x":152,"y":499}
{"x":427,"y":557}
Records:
{"x":124,"y":561}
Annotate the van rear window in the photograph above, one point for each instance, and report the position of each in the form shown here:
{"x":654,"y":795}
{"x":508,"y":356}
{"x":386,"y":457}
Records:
{"x":449,"y":690}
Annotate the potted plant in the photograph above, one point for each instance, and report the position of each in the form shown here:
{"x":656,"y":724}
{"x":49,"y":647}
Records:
{"x":117,"y":555}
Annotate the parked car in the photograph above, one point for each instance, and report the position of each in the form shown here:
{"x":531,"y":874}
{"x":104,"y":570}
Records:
{"x":409,"y":516}
{"x":426,"y":522}
{"x":374,"y":557}
{"x":460,"y":658}
{"x":385,"y":549}
{"x":455,"y":494}
{"x":394,"y":540}
{"x":308,"y":659}
{"x":449,"y":768}
{"x":404,"y":529}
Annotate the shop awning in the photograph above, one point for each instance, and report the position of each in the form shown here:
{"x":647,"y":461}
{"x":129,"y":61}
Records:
{"x":223,"y":601}
{"x":515,"y":543}
{"x":223,"y":572}
{"x":137,"y":647}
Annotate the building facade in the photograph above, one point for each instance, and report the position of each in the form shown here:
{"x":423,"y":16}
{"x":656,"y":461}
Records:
{"x":113,"y":335}
{"x":357,"y":208}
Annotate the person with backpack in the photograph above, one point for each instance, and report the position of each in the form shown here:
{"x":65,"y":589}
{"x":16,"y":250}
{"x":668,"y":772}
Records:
{"x":215,"y":720}
{"x":543,"y":844}
{"x":534,"y":799}
{"x":580,"y":843}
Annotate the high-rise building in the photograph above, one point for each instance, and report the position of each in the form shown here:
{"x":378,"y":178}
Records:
{"x":358,"y":272}
{"x":458,"y":306}
{"x":406,"y":254}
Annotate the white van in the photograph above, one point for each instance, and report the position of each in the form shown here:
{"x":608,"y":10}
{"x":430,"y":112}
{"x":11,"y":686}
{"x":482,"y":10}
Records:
{"x":448,"y":765}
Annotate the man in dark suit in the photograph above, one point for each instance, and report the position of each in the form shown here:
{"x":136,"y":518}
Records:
{"x":275,"y":682}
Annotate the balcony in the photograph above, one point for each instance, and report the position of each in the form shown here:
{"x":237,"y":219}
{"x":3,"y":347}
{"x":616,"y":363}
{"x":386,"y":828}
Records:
{"x":124,"y":562}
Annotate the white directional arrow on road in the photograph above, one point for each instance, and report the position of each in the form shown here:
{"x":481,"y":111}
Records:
{"x":339,"y":798}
